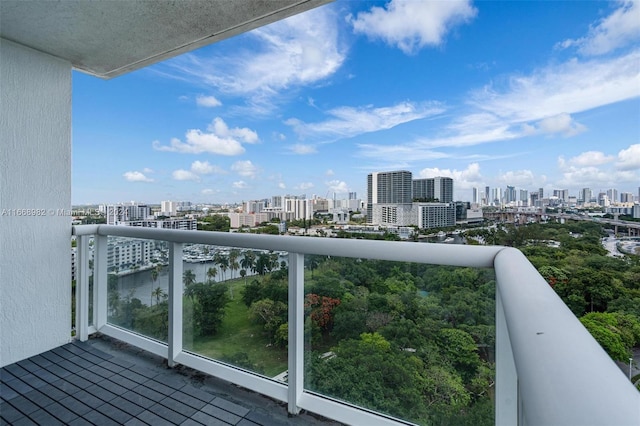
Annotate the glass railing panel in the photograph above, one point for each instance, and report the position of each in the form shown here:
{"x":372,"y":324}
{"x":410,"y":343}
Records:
{"x":235,"y":307}
{"x":138,"y":286}
{"x":413,"y":341}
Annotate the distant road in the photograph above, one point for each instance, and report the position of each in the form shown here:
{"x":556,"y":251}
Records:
{"x":625,"y":223}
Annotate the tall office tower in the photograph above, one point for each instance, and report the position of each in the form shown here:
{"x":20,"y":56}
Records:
{"x":475,"y":199}
{"x":496,"y":199}
{"x":524,"y":197}
{"x":626,"y":197}
{"x":510,"y":194}
{"x":388,"y":188}
{"x":487,"y":195}
{"x":585,"y":195}
{"x":443,"y":189}
{"x":562,"y":194}
{"x":534,"y":199}
{"x":603,"y":199}
{"x":353,"y":196}
{"x":422,"y":189}
{"x":540,"y":194}
{"x":612,"y":194}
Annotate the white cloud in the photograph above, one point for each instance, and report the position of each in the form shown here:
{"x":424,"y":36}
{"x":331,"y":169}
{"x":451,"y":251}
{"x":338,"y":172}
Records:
{"x":240,"y":184}
{"x":147,"y":170}
{"x":337,"y":186}
{"x":520,"y":178}
{"x":350,"y":121}
{"x":463,"y":179}
{"x":245,"y":168}
{"x":562,"y":123}
{"x":207,"y":101}
{"x":620,"y":28}
{"x":281,"y":185}
{"x":591,"y":158}
{"x":218,"y":139}
{"x":136,"y":176}
{"x":220,"y":128}
{"x":596,"y":169}
{"x":208,"y":191}
{"x":304,"y":186}
{"x":181,"y":174}
{"x":204,"y":168}
{"x":303,"y":149}
{"x":629,"y":159}
{"x":412,"y":25}
{"x":567,"y":88}
{"x":329,"y":172}
{"x":296,"y":51}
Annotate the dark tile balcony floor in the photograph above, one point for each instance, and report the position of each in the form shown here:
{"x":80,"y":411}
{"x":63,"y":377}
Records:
{"x":106,"y":382}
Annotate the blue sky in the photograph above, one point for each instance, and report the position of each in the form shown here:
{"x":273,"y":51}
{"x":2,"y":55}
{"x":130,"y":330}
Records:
{"x":531,"y":94}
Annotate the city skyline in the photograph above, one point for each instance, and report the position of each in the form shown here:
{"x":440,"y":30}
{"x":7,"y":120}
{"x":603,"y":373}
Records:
{"x":525,"y":94}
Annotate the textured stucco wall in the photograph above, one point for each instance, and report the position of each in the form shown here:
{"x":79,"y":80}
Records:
{"x":35,"y":173}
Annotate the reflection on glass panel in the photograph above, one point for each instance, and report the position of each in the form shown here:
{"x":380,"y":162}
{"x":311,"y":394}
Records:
{"x":410,"y":340}
{"x":138,"y":285}
{"x":235,"y":307}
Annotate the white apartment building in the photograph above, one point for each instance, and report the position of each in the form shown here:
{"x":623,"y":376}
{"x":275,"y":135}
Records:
{"x":435,"y":215}
{"x":238,"y":220}
{"x":126,"y":253}
{"x":116,"y":213}
{"x":182,"y":223}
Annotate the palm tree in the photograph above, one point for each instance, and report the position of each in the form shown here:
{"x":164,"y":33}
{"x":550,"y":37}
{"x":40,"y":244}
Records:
{"x":233,"y":260}
{"x":243,"y":274}
{"x":211,"y":274}
{"x":188,"y":277}
{"x":158,"y":293}
{"x":248,"y":261}
{"x":223,"y":262}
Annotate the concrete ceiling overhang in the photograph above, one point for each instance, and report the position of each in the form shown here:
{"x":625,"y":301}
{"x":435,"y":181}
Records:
{"x":110,"y":38}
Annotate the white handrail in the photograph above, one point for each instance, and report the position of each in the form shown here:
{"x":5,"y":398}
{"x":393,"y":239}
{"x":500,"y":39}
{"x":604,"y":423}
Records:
{"x":564,"y":375}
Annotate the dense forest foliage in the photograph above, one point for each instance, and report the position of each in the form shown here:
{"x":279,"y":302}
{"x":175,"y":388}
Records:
{"x":603,"y":291}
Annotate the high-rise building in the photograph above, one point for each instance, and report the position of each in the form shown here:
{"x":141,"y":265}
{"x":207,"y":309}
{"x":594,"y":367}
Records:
{"x":585,"y":195}
{"x":423,"y":189}
{"x":510,"y":194}
{"x":626,"y":197}
{"x":438,"y":188}
{"x":612,"y":194}
{"x":487,"y":195}
{"x":475,"y":198}
{"x":443,"y":189}
{"x":353,"y":196}
{"x":388,"y":188}
{"x":562,"y":194}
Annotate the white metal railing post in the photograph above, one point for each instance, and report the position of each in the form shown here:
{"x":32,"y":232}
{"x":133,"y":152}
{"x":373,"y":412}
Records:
{"x":175,"y":302}
{"x":100,"y":281}
{"x":507,"y":398}
{"x":296,"y":331}
{"x":82,"y":287}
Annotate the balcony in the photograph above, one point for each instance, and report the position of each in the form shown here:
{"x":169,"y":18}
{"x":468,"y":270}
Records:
{"x":541,"y":352}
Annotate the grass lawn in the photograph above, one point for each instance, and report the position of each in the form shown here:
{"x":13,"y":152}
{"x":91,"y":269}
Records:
{"x":238,"y":335}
